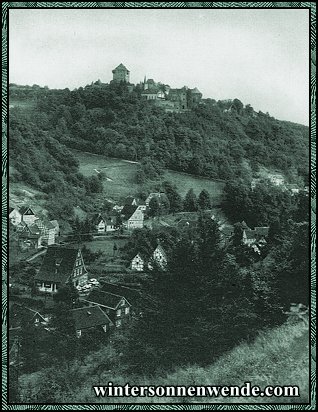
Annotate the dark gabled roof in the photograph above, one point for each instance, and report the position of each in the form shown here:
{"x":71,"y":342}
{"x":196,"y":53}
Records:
{"x":128,"y":293}
{"x":244,"y":225}
{"x":144,"y":256}
{"x":249,"y":233}
{"x":129,"y":200}
{"x":89,"y":317}
{"x":128,"y":210}
{"x":261,"y":230}
{"x":31,"y":232}
{"x":97,"y":218}
{"x":45,"y":223}
{"x":58,"y":264}
{"x":24,"y":209}
{"x":20,"y":315}
{"x":34,"y":229}
{"x":111,"y":217}
{"x":120,"y":67}
{"x":21,"y":226}
{"x":227,"y":230}
{"x":107,"y":299}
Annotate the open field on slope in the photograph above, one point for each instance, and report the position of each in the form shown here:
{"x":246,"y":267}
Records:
{"x":120,"y":177}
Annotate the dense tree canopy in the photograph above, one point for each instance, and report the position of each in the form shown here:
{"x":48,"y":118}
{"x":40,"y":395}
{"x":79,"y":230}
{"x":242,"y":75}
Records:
{"x":209,"y":140}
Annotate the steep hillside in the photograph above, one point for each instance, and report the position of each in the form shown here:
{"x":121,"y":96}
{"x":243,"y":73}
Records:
{"x":277,"y":357}
{"x":211,"y":140}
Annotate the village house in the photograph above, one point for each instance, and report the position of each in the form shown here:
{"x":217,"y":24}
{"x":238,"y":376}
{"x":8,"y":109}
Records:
{"x":47,"y":230}
{"x":158,"y":257}
{"x":14,"y":216}
{"x":132,"y":201}
{"x":116,"y":307}
{"x":111,"y":223}
{"x":99,"y":223}
{"x":22,"y":316}
{"x":227,"y":231}
{"x":27,"y":215}
{"x":132,"y":217}
{"x":104,"y":224}
{"x":30,"y":237}
{"x":276,"y":179}
{"x":132,"y":294}
{"x":24,"y":214}
{"x":138,"y":263}
{"x":88,"y":319}
{"x":256,"y":236}
{"x":141,"y":260}
{"x":60,"y":266}
{"x":56,"y":226}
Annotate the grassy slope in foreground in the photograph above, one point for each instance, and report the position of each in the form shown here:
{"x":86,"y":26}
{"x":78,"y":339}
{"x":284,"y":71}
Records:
{"x":277,"y":357}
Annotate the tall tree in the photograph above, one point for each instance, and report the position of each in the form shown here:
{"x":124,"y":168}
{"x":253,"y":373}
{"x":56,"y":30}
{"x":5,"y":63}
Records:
{"x":190,"y":203}
{"x":204,"y":200}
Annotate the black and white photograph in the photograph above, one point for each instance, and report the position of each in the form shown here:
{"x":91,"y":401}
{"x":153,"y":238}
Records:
{"x":158,"y":218}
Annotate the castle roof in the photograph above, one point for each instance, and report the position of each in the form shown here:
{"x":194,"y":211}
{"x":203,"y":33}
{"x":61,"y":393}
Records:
{"x":196,"y":91}
{"x":120,"y":67}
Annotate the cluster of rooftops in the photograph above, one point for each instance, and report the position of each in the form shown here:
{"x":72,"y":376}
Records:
{"x":170,"y":99}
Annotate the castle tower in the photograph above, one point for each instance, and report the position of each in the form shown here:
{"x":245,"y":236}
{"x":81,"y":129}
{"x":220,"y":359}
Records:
{"x":121,"y":74}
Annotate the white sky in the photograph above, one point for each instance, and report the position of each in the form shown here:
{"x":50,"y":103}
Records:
{"x":258,"y":56}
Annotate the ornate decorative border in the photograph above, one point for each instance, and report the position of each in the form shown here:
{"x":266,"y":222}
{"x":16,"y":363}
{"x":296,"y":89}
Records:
{"x":5,"y":6}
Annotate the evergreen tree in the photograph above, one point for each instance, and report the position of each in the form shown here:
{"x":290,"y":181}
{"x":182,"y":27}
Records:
{"x":204,"y":200}
{"x":190,"y":203}
{"x":154,"y":207}
{"x":186,"y":307}
{"x":173,"y":196}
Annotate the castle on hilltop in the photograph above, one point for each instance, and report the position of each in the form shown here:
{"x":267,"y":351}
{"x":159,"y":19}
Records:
{"x":171,"y":100}
{"x":121,"y":74}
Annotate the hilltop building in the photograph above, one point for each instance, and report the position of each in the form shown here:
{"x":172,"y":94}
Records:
{"x":169,"y":99}
{"x":121,"y":74}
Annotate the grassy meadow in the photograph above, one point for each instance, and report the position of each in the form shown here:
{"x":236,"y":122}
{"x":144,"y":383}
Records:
{"x":120,"y":178}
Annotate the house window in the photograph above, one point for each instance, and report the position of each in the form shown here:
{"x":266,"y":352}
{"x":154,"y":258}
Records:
{"x":127,"y":311}
{"x":118,"y":323}
{"x":118,"y":313}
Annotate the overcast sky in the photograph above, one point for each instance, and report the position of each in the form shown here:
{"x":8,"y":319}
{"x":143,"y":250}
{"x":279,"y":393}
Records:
{"x":258,"y":56}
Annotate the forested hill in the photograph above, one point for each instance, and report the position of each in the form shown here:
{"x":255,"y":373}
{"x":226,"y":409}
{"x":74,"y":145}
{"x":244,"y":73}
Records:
{"x":210,"y":140}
